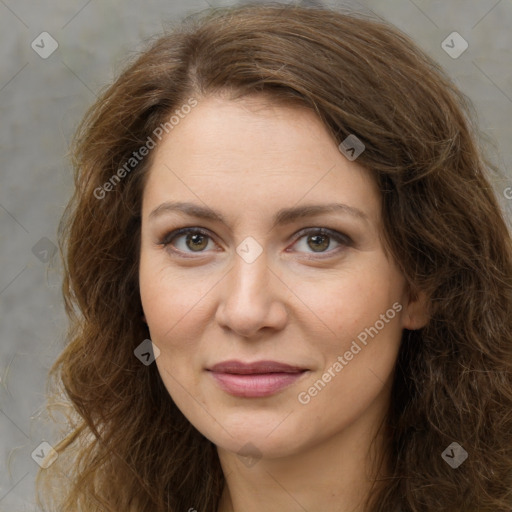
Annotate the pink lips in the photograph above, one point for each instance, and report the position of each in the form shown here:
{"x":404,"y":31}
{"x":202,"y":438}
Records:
{"x":252,"y":380}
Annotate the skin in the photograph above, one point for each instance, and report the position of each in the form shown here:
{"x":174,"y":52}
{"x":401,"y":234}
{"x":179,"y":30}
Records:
{"x":296,"y":303}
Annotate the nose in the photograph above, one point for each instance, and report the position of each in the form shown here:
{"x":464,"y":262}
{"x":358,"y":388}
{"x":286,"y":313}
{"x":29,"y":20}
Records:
{"x":252,"y":298}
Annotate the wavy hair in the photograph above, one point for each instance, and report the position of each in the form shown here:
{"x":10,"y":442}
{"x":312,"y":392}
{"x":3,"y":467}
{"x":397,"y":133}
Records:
{"x":127,"y":446}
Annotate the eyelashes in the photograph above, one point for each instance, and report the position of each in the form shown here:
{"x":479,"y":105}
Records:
{"x":196,"y":235}
{"x":202,"y":239}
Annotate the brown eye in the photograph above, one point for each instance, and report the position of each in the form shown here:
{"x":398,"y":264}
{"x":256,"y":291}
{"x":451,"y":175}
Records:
{"x":318,"y":242}
{"x":196,"y":241}
{"x":321,"y":240}
{"x":187,"y":240}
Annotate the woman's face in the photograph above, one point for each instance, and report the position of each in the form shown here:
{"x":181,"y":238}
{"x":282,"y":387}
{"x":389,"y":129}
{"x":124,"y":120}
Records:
{"x":256,"y":284}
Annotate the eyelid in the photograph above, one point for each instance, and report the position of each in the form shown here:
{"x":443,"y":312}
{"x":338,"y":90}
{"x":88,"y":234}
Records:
{"x":338,"y":236}
{"x":169,"y":236}
{"x":318,"y":230}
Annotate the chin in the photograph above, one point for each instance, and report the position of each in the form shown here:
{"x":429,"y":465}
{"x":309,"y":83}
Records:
{"x":257,"y":434}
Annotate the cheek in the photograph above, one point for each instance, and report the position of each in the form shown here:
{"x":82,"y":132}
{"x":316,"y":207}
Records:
{"x":175,"y":306}
{"x":172,"y":302}
{"x":356,"y":374}
{"x":349,"y":301}
{"x":360,"y":313}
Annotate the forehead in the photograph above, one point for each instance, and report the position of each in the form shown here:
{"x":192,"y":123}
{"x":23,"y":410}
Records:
{"x":252,"y":153}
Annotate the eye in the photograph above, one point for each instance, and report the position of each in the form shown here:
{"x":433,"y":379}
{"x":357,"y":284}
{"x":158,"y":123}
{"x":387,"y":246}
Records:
{"x":192,"y":240}
{"x":197,"y":240}
{"x":318,"y":240}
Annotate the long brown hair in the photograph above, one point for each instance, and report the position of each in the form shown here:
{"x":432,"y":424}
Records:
{"x":129,"y":447}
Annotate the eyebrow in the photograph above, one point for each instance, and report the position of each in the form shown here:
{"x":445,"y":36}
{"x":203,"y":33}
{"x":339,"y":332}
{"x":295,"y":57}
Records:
{"x":283,"y":216}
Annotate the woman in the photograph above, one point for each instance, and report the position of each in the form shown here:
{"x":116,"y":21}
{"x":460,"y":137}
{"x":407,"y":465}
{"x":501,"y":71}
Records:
{"x":288,"y":278}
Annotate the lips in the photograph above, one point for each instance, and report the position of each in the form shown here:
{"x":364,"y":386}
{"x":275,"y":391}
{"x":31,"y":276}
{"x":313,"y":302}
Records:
{"x":240,"y":368}
{"x":257,"y":379}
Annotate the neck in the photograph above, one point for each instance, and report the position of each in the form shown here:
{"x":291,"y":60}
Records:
{"x":335,"y":475}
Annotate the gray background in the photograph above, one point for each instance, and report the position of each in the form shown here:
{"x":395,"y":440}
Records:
{"x":41,"y":101}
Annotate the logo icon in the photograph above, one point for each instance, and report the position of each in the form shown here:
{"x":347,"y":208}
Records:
{"x":351,"y":147}
{"x":44,"y":249}
{"x":147,"y":352}
{"x":249,"y":454}
{"x":44,"y":455}
{"x":44,"y":45}
{"x":454,"y":45}
{"x":454,"y":455}
{"x":249,"y":249}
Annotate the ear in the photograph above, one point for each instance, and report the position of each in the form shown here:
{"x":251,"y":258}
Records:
{"x":416,"y":314}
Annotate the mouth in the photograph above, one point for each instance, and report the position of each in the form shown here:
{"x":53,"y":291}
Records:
{"x":255,"y":380}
